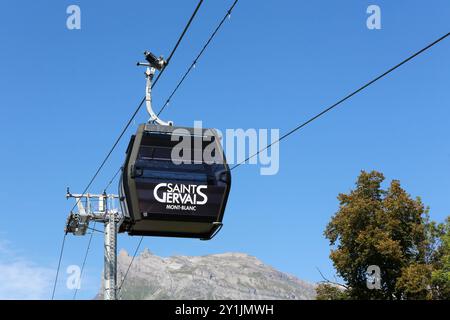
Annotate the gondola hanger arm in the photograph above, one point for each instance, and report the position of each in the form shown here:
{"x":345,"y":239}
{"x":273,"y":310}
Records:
{"x":152,"y":65}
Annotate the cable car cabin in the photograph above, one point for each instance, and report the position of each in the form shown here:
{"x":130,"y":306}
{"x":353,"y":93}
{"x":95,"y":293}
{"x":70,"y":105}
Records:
{"x":175,"y":182}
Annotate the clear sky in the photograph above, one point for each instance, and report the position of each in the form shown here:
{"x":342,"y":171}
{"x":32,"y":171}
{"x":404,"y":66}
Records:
{"x":65,"y":96}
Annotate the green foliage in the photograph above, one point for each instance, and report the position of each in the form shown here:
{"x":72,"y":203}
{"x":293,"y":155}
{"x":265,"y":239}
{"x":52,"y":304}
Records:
{"x":414,"y":282}
{"x":440,"y":279}
{"x":325,"y":291}
{"x":391,"y":230}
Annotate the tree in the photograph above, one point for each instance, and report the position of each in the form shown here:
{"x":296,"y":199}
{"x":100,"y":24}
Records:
{"x":385,"y":228}
{"x":326,"y":291}
{"x":440,"y":278}
{"x":414,"y":282}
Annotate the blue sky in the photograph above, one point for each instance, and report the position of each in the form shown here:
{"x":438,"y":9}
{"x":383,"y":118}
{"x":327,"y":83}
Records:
{"x":66,"y":95}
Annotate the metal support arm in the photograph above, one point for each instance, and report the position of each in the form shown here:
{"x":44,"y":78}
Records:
{"x":149,"y":73}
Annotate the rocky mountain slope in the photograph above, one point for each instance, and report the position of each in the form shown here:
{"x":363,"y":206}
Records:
{"x":233,"y":276}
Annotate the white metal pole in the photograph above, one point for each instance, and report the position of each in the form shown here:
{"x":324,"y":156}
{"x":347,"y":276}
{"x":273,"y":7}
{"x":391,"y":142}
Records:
{"x":110,"y":256}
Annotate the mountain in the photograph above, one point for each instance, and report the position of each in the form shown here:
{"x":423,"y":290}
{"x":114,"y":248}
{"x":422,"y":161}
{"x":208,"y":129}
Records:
{"x":230,"y":276}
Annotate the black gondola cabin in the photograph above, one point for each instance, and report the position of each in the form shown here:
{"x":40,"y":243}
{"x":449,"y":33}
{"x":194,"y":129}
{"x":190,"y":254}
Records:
{"x":175,"y":182}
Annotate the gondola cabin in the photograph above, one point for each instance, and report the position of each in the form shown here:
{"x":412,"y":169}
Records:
{"x":175,"y":182}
